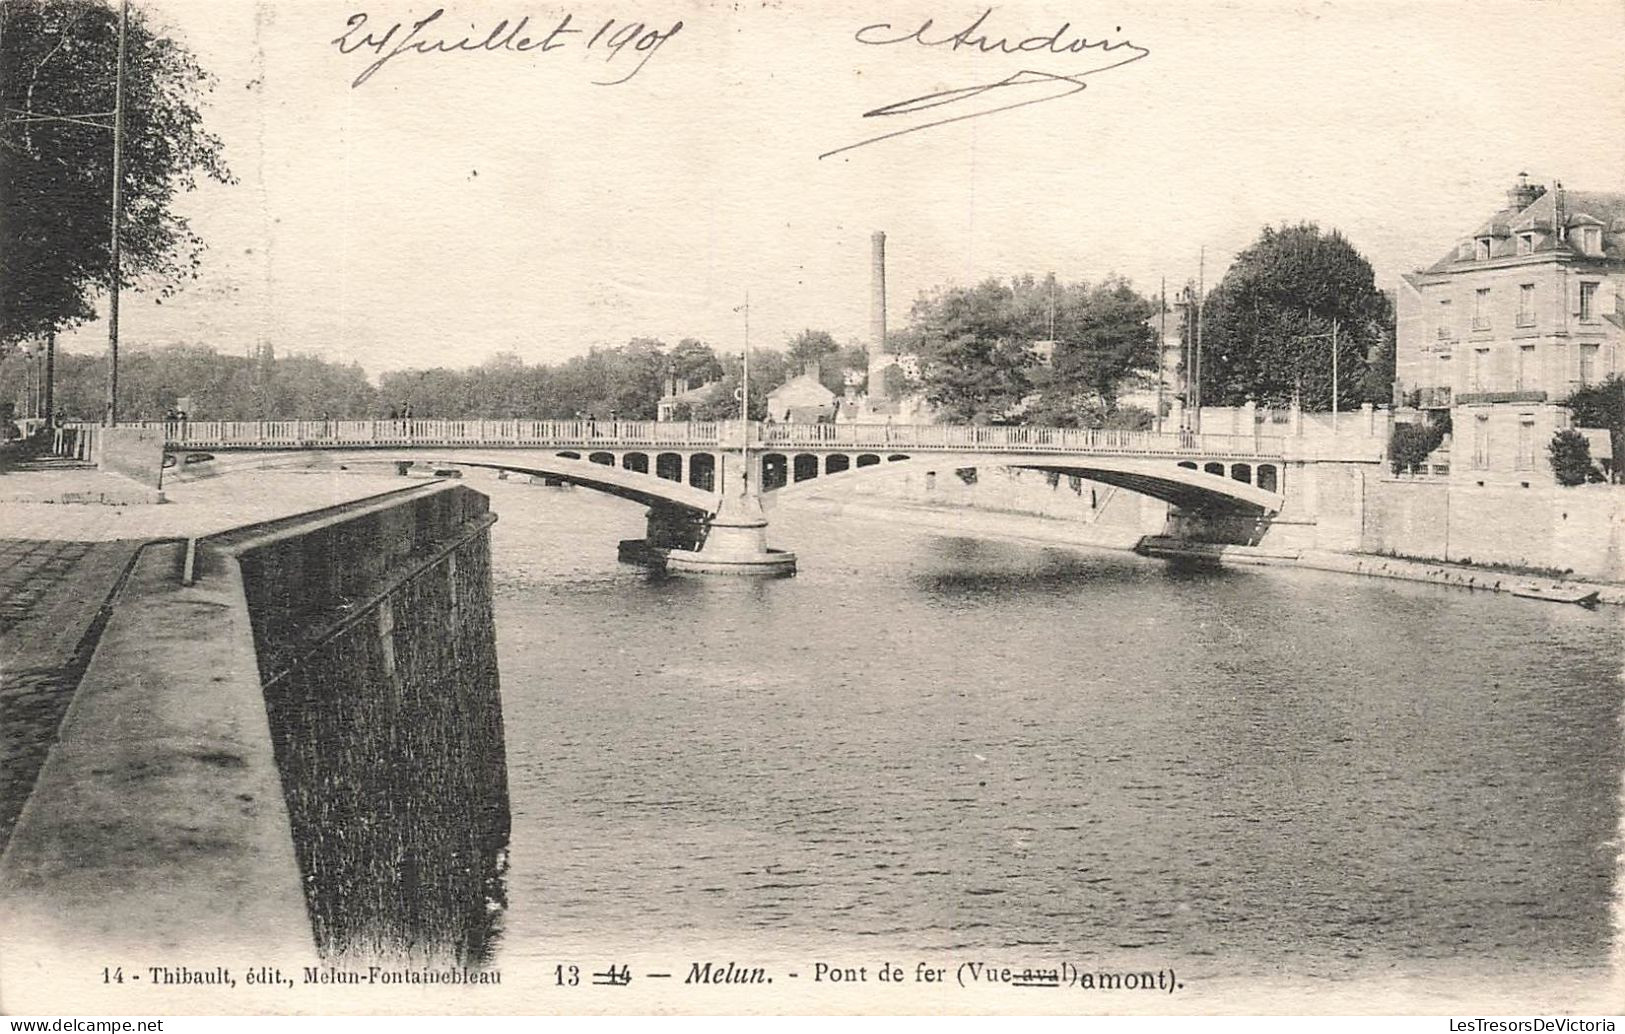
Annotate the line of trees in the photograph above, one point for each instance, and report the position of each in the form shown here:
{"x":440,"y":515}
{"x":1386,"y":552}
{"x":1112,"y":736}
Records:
{"x":626,"y":381}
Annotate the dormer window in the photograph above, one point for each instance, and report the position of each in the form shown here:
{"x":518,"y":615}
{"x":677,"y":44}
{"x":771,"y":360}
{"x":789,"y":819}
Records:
{"x":1526,"y":244}
{"x":1591,"y":240}
{"x":1483,"y":248}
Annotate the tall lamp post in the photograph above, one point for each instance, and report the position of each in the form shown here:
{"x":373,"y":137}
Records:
{"x":744,"y":398}
{"x":92,"y":119}
{"x":110,"y":416}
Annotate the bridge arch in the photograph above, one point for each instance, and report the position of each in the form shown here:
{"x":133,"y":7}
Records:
{"x":669,"y":466}
{"x":805,"y":467}
{"x":702,"y":471}
{"x":775,"y":468}
{"x":602,"y":477}
{"x":1211,"y":490}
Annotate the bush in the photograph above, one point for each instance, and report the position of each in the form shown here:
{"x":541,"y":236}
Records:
{"x":1602,"y":405}
{"x":1571,"y":457}
{"x":1410,"y":445}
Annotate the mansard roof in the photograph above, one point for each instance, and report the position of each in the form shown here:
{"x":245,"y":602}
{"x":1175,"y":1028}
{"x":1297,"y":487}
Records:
{"x":1605,"y":209}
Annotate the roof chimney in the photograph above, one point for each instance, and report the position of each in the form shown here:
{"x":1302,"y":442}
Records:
{"x":1523,"y":193}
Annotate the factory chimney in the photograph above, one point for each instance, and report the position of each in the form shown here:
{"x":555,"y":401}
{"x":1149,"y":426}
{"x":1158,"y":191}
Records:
{"x":877,"y":315}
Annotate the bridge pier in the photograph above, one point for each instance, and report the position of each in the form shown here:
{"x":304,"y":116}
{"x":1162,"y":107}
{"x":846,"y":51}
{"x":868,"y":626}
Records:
{"x":666,"y":528}
{"x":735,"y":540}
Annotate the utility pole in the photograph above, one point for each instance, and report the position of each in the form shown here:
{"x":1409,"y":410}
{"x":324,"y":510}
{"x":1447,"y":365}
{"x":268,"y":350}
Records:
{"x":1201,"y":291}
{"x":50,"y":377}
{"x":1334,"y":376}
{"x":1052,"y":309}
{"x":110,"y":415}
{"x":744,"y":403}
{"x":1162,"y":343}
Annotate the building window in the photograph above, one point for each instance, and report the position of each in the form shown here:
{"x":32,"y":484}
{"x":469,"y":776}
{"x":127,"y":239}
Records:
{"x":1526,"y":368}
{"x":1588,"y":363}
{"x":1526,"y":443}
{"x":1481,"y":366}
{"x":1483,"y":248}
{"x":1447,"y":328}
{"x":1526,"y":305}
{"x":1588,"y":301}
{"x":1481,"y":442}
{"x":1481,"y":309}
{"x":1591,"y":240}
{"x":1526,"y":244}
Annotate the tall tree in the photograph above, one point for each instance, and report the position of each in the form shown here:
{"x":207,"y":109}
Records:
{"x":1103,"y":339}
{"x":975,"y":346}
{"x":1267,"y":325}
{"x":57,"y":69}
{"x":693,"y":363}
{"x":979,"y":364}
{"x":819,"y":346}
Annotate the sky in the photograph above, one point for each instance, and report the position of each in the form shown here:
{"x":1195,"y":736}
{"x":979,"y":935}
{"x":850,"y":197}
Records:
{"x":457,"y":205}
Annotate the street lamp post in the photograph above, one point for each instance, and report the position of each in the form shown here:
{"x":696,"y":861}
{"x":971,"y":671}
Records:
{"x":93,"y":120}
{"x":111,"y":416}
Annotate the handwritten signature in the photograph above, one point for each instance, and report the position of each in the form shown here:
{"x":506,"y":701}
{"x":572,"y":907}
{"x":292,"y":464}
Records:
{"x":506,"y":35}
{"x":1049,"y":86}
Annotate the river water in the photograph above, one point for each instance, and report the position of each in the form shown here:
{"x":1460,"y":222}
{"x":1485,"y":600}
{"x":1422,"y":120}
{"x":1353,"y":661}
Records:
{"x":931,"y":748}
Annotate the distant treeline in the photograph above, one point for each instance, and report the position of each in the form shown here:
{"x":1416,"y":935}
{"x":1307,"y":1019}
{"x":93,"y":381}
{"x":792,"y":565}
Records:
{"x":625,"y":381}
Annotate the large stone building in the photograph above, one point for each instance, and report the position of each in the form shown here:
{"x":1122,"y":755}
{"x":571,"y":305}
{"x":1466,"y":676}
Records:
{"x":1510,"y":321}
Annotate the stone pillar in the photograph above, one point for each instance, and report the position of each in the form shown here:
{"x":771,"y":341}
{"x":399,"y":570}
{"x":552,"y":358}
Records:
{"x":1249,"y":419}
{"x":736,"y":535}
{"x":1368,"y":419}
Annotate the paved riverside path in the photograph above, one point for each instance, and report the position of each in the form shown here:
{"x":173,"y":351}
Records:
{"x":61,"y":562}
{"x":52,"y":594}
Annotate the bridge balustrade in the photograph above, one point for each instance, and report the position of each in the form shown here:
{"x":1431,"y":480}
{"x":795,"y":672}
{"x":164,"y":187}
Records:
{"x":644,"y":434}
{"x":1019,"y":438}
{"x":363,"y":433}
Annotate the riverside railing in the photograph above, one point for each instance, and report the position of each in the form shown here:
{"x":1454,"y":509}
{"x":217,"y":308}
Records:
{"x":726,"y":434}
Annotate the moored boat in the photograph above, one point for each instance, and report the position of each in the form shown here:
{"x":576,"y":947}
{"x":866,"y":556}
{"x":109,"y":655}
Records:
{"x":1556,"y":592}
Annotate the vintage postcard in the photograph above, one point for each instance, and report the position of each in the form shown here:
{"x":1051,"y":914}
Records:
{"x":672,"y":506}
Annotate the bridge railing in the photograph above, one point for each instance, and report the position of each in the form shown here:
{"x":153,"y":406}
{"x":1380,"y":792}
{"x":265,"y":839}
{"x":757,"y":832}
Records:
{"x":636,"y":434}
{"x":1020,"y":438}
{"x":272,"y":434}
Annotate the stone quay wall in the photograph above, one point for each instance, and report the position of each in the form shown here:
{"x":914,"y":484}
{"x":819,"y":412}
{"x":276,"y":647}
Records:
{"x":376,"y":649}
{"x":1579,"y":529}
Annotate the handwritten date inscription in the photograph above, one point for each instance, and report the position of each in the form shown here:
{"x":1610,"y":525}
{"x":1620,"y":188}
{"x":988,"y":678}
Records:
{"x":605,"y":39}
{"x":1076,"y":57}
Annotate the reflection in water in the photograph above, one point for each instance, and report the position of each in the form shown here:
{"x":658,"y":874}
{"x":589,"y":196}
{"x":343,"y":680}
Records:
{"x":929,"y":743}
